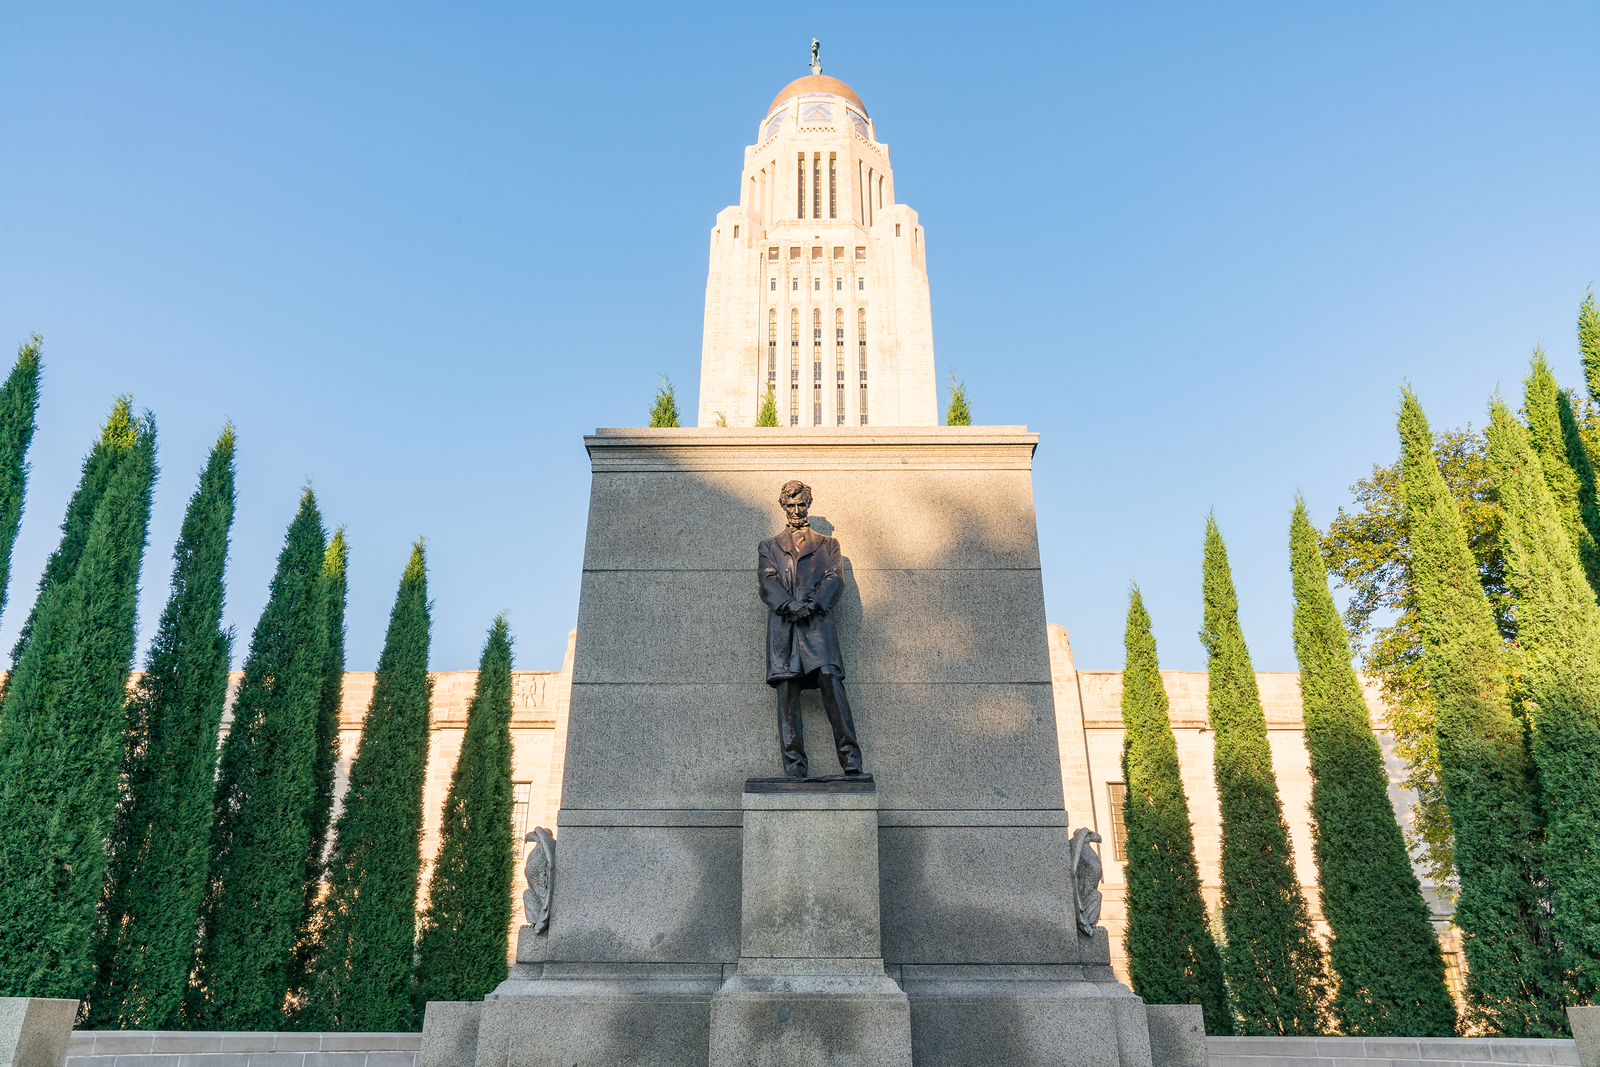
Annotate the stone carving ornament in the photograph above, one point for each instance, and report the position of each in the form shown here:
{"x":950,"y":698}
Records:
{"x":1086,"y":871}
{"x":541,"y":872}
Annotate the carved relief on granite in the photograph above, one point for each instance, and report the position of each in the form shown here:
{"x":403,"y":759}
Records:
{"x":1086,"y":870}
{"x":541,"y":872}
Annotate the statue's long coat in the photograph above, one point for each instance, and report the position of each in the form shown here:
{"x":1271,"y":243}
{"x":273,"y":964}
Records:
{"x":787,"y":573}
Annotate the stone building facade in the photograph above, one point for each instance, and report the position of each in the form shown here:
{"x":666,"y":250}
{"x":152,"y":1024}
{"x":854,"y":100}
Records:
{"x":818,"y":285}
{"x":1088,"y":706}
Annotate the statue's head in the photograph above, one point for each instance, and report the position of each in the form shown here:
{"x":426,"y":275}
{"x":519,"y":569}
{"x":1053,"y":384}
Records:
{"x":795,"y":499}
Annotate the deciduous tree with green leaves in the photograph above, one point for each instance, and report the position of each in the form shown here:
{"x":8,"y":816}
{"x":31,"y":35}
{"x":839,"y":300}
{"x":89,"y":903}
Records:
{"x":265,"y":787}
{"x":462,"y":951}
{"x":361,"y":979}
{"x":1272,"y":959}
{"x":1383,"y":949}
{"x":19,"y":409}
{"x":1172,"y":956}
{"x":1514,"y":982}
{"x":1558,"y":639}
{"x":61,"y":735}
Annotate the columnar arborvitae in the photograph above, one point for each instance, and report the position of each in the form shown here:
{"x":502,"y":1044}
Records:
{"x":958,"y":414}
{"x":664,"y":411}
{"x":19,"y":407}
{"x":115,"y":445}
{"x":768,"y":415}
{"x":265,"y":786}
{"x":157,"y":867}
{"x":1552,"y":431}
{"x":1589,"y":344}
{"x":61,"y":736}
{"x":361,"y":979}
{"x":1172,"y":957}
{"x":335,"y":567}
{"x":1383,"y":948}
{"x":462,"y":954}
{"x":1272,"y":959}
{"x":1558,"y":638}
{"x":1514,"y":985}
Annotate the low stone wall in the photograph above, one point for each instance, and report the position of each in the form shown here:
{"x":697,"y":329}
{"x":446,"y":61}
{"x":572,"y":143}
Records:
{"x":189,"y":1048}
{"x":1390,"y":1051}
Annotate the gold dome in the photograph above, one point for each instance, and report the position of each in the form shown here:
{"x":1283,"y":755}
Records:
{"x":817,"y":83}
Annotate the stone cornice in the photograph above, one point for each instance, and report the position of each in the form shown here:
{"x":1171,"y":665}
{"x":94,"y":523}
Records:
{"x":854,"y":448}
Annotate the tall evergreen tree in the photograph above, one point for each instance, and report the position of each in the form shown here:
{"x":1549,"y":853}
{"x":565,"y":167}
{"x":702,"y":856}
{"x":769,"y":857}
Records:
{"x":116,"y":443}
{"x":958,"y":413}
{"x":1514,"y":985}
{"x":664,"y":411}
{"x":1558,"y":637}
{"x":335,"y":565}
{"x":1383,"y":949}
{"x":60,"y":741}
{"x":1272,"y":959}
{"x":1551,"y":431}
{"x":19,"y":408}
{"x":265,"y":784}
{"x":1172,"y":957}
{"x":1589,"y":344}
{"x":768,"y":415}
{"x":462,"y":952}
{"x":157,"y":867}
{"x":362,"y":975}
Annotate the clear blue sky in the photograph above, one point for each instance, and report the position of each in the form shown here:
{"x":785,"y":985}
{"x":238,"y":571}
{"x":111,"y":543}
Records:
{"x":416,"y":251}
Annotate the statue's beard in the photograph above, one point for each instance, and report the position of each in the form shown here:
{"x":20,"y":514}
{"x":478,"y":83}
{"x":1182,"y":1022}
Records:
{"x":798,"y":521}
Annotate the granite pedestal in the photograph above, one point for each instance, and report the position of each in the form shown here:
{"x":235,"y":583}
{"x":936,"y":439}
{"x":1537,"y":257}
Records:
{"x":810,"y":988}
{"x":942,"y":623}
{"x":34,"y":1031}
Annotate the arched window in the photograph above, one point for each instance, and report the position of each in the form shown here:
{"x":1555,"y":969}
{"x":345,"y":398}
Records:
{"x":772,"y":352}
{"x":816,"y":366}
{"x":794,"y":366}
{"x":861,"y":346}
{"x":838,"y":344}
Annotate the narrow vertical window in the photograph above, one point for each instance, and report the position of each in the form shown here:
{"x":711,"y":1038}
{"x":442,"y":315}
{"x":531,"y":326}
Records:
{"x":1117,"y":793}
{"x":521,"y":796}
{"x":833,"y":187}
{"x":880,"y":192}
{"x":861,"y":194}
{"x":816,"y":185}
{"x":772,"y":353}
{"x":816,"y":366}
{"x":838,"y":344}
{"x":869,"y":196}
{"x":861,"y":348}
{"x":736,"y":231}
{"x":794,"y":366}
{"x":800,"y":188}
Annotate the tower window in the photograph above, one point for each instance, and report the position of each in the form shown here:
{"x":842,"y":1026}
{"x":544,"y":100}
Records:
{"x":838,"y":361}
{"x":897,"y":229}
{"x":816,"y":251}
{"x":795,"y":285}
{"x":861,"y":349}
{"x":794,"y":366}
{"x":838,"y":251}
{"x":833,"y":188}
{"x":816,"y":285}
{"x":816,"y":185}
{"x":861,"y":284}
{"x":794,"y":252}
{"x":772,"y":351}
{"x":816,"y":365}
{"x":736,"y":231}
{"x":772,"y":253}
{"x":772,"y":285}
{"x":800,"y":188}
{"x":838,"y":285}
{"x":861,"y":252}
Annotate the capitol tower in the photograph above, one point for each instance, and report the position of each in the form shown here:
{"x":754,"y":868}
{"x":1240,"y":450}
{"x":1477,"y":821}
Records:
{"x":818,"y":286}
